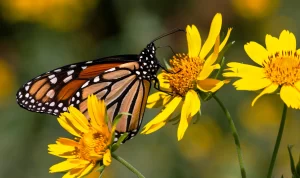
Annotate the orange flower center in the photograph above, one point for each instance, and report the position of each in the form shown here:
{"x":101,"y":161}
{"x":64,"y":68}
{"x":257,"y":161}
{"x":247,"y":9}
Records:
{"x":283,"y":68}
{"x":183,"y":74}
{"x":92,"y":145}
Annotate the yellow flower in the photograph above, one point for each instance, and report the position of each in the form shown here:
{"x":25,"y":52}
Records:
{"x":92,"y":142}
{"x":187,"y":74}
{"x":279,"y":68}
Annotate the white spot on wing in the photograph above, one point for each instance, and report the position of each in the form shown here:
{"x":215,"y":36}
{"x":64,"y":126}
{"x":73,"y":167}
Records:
{"x":88,"y":62}
{"x":67,"y":79}
{"x":54,"y":80}
{"x":96,"y":79}
{"x":70,"y":72}
{"x":51,"y":76}
{"x":60,"y":105}
{"x":57,"y":70}
{"x":52,"y":104}
{"x":84,"y":67}
{"x":50,"y":93}
{"x":110,"y":70}
{"x":85,"y":84}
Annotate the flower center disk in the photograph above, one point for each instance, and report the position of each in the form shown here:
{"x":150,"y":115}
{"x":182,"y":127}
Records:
{"x":283,"y":68}
{"x":184,"y":73}
{"x":92,"y":145}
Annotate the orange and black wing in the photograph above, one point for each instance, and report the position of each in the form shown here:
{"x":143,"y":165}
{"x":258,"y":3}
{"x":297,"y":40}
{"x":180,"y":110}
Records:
{"x":51,"y":92}
{"x":123,"y":91}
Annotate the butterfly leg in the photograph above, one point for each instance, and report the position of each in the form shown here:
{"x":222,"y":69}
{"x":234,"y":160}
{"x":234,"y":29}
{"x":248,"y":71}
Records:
{"x":157,"y":87}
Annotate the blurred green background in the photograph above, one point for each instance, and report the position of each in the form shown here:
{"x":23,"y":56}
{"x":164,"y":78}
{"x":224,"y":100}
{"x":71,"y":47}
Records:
{"x":40,"y":35}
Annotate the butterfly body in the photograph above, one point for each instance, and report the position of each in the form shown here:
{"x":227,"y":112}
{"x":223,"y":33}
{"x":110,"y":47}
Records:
{"x":123,"y":82}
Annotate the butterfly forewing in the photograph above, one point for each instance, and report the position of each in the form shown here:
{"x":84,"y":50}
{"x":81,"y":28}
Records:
{"x":50,"y":92}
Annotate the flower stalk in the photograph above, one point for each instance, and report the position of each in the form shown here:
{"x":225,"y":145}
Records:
{"x":129,"y":166}
{"x":234,"y":134}
{"x":278,"y":140}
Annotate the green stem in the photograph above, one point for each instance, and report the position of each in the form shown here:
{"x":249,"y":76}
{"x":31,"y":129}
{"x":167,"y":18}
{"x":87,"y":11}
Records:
{"x":235,"y":136}
{"x":277,"y":144}
{"x":129,"y":166}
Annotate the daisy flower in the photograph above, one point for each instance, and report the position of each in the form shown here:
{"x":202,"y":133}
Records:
{"x":91,"y":144}
{"x":188,"y":74}
{"x":278,"y":69}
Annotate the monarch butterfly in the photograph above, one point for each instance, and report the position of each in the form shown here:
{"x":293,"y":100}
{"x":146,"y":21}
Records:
{"x":123,"y":81}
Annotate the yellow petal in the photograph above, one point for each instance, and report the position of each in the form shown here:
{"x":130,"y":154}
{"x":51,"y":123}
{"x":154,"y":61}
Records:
{"x":186,"y":113}
{"x":78,"y":119}
{"x":164,"y":114}
{"x":59,"y":148}
{"x":67,"y":141}
{"x":153,"y":128}
{"x":222,"y":45}
{"x":290,"y":96}
{"x":287,"y":40}
{"x":96,"y":110}
{"x":74,"y":173}
{"x":193,"y":40}
{"x":256,"y":52}
{"x":206,"y":71}
{"x":62,"y":166}
{"x":94,"y":173}
{"x":107,"y":158}
{"x":210,"y":85}
{"x":69,"y":175}
{"x":214,"y":56}
{"x":272,"y":44}
{"x":68,"y":125}
{"x":297,"y":85}
{"x":158,"y":99}
{"x":195,"y":103}
{"x":270,"y":89}
{"x":87,"y":169}
{"x":214,"y":32}
{"x":163,"y":83}
{"x":244,"y":71}
{"x":252,"y":84}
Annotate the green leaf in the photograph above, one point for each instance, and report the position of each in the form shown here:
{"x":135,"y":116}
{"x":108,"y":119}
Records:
{"x":293,"y":169}
{"x":166,"y":63}
{"x":118,"y":117}
{"x":298,"y":168}
{"x":120,"y":140}
{"x":101,"y":168}
{"x":221,"y":54}
{"x":222,"y":65}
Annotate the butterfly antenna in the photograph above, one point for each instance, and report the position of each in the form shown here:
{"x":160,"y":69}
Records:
{"x":169,"y":33}
{"x":168,"y":46}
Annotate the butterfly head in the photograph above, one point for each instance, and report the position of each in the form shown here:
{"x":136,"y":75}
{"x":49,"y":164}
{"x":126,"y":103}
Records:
{"x":148,"y":62}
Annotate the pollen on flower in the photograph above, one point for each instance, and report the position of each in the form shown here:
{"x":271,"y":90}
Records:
{"x":91,"y":144}
{"x":184,"y":72}
{"x":283,"y":68}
